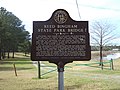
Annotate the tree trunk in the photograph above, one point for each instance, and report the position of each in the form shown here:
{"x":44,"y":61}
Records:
{"x":101,"y":58}
{"x":25,"y":53}
{"x":13,"y":53}
{"x":0,"y":54}
{"x":8,"y":53}
{"x":3,"y":54}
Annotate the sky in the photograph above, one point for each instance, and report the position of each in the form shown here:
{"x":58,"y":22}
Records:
{"x":41,"y":10}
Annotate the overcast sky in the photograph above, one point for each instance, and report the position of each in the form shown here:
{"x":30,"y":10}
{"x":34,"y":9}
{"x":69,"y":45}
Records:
{"x":41,"y":10}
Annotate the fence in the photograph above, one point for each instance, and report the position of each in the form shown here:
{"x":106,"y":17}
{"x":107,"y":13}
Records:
{"x":100,"y":65}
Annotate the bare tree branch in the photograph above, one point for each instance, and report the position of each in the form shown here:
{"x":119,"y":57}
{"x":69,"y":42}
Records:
{"x":102,"y":34}
{"x":96,"y":40}
{"x":102,"y":31}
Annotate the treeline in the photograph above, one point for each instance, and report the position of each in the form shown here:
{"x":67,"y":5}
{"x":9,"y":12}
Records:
{"x":13,"y":36}
{"x":105,"y":48}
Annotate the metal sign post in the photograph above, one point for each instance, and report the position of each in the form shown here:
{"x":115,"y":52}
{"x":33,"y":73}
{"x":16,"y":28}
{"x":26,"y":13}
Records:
{"x":60,"y":80}
{"x":60,"y":76}
{"x":60,"y":65}
{"x":39,"y":71}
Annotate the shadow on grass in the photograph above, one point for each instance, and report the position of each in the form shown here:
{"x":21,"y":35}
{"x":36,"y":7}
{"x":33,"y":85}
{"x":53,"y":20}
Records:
{"x":6,"y":68}
{"x":73,"y":87}
{"x":7,"y":62}
{"x":115,"y":89}
{"x":42,"y":77}
{"x":40,"y":89}
{"x":11,"y":68}
{"x":1,"y":79}
{"x":55,"y":88}
{"x":16,"y":59}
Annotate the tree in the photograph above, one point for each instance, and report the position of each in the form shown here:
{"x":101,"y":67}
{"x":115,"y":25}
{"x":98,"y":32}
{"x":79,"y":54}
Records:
{"x":25,"y":45}
{"x":12,"y":32}
{"x":102,"y":33}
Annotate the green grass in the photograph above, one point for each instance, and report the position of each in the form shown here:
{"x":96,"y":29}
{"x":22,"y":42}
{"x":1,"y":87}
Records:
{"x":75,"y":77}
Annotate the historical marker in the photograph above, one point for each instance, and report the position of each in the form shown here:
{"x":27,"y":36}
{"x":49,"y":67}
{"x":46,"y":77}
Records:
{"x":60,"y":38}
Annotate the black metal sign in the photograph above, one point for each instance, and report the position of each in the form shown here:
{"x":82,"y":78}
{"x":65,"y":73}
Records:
{"x":60,"y":38}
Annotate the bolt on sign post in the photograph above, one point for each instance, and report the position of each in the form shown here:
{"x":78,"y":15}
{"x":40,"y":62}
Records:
{"x":60,"y":40}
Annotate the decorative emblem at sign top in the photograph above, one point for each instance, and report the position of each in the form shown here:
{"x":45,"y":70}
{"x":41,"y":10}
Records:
{"x":60,"y":17}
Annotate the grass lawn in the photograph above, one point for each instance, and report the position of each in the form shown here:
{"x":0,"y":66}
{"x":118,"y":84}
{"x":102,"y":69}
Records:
{"x":75,"y":77}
